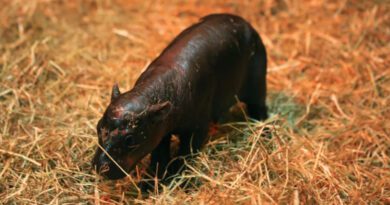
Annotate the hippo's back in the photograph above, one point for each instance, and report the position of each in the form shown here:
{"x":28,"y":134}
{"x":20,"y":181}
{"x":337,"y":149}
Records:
{"x":209,"y":61}
{"x":217,"y":39}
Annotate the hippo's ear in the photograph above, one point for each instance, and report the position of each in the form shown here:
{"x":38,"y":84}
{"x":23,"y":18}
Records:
{"x":158,"y":112}
{"x":115,"y":92}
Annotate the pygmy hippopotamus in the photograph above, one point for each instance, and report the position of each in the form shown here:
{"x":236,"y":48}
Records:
{"x":195,"y":80}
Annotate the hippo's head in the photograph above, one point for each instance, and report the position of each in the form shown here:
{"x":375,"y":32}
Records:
{"x":128,"y":131}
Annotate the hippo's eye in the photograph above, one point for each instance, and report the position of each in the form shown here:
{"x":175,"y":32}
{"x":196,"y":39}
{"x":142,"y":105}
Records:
{"x":130,"y":140}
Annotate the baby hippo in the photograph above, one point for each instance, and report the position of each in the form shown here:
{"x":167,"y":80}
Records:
{"x":194,"y":81}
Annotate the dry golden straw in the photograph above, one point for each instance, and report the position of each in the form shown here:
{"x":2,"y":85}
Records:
{"x":327,"y":142}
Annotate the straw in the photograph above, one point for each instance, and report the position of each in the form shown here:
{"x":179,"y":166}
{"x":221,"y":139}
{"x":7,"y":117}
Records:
{"x":327,"y":140}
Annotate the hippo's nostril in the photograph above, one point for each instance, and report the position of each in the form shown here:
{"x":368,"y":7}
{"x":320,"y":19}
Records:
{"x":104,"y":168}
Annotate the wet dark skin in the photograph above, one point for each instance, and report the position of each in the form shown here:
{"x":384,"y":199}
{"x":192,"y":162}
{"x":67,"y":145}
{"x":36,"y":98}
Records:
{"x":192,"y":83}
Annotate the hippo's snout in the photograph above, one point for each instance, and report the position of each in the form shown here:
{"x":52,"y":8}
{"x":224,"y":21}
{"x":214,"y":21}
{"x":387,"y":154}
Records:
{"x":105,"y":167}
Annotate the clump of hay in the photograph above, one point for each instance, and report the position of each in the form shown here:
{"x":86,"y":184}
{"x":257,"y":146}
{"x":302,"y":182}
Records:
{"x":328,"y":80}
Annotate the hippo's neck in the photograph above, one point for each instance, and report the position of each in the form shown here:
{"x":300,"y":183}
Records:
{"x":158,"y":84}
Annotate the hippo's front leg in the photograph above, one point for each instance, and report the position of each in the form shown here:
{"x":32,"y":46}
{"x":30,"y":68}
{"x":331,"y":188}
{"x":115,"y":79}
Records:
{"x":158,"y":164}
{"x":190,"y":143}
{"x":160,"y":158}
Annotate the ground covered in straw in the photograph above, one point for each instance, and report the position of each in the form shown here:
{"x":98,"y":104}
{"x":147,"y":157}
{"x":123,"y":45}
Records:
{"x":327,"y":142}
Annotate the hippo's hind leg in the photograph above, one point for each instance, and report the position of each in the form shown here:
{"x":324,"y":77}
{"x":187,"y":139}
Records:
{"x":253,"y":92}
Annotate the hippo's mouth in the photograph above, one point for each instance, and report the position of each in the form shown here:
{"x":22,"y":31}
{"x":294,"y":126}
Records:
{"x":117,"y":168}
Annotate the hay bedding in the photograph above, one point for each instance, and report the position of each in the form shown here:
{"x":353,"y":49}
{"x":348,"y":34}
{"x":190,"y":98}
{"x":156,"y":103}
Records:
{"x":329,"y":85}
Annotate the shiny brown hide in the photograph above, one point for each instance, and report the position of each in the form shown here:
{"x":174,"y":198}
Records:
{"x":192,"y":83}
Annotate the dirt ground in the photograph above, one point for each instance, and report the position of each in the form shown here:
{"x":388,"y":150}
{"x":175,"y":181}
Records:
{"x":328,"y":95}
